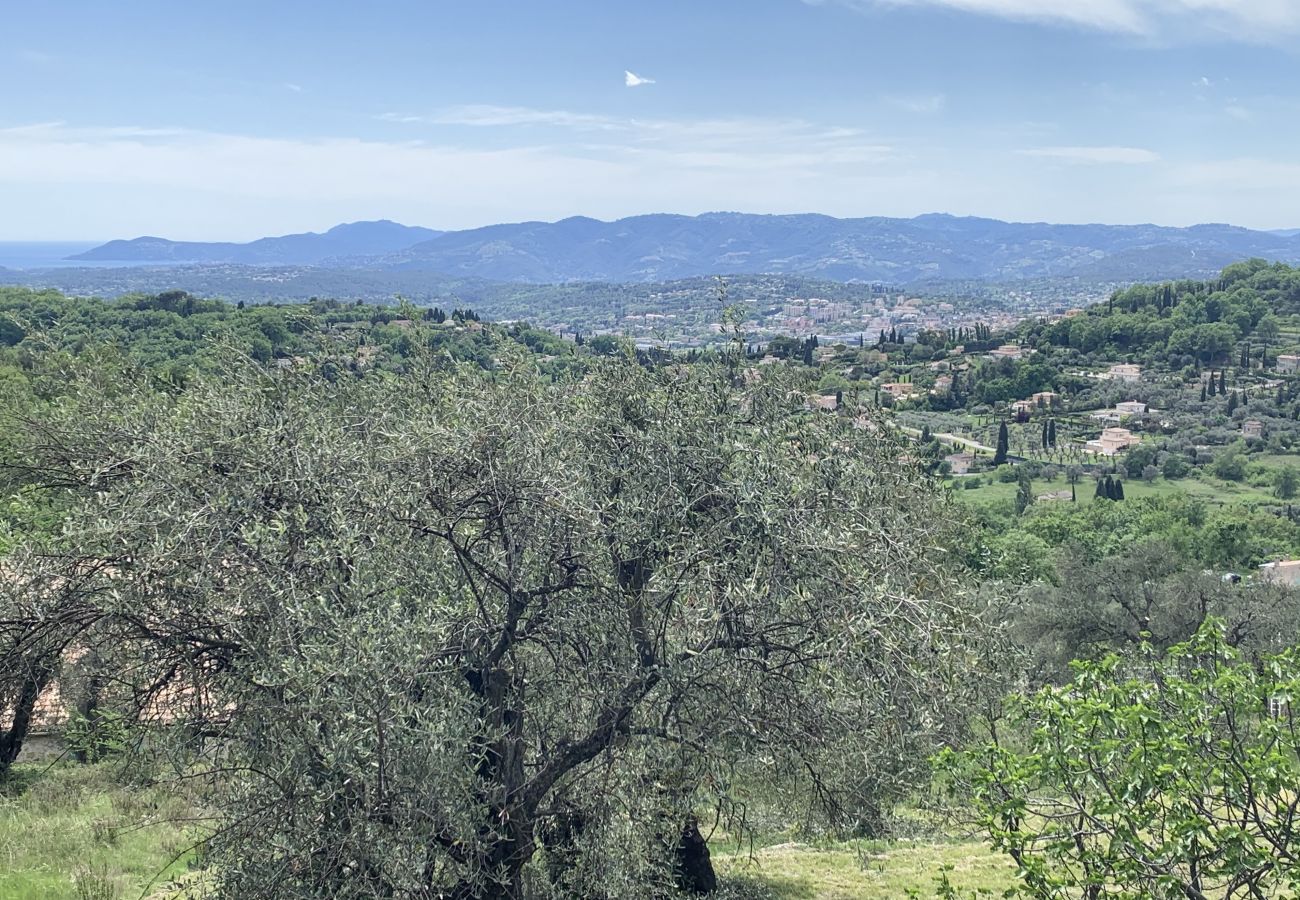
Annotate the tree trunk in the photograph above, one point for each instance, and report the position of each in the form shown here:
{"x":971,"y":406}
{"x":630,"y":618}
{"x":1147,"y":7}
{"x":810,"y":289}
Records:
{"x":11,"y":740}
{"x":693,"y":868}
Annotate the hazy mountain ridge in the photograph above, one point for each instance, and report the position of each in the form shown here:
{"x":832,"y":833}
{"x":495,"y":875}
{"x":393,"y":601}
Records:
{"x":663,"y":247}
{"x":343,"y":243}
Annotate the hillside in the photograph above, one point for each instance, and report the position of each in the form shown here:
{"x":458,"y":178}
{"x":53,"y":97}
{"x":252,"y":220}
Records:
{"x":664,"y":247}
{"x":340,"y":243}
{"x":668,"y":247}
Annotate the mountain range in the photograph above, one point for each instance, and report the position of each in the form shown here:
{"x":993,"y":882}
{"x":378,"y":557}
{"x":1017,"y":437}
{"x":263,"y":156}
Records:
{"x":664,"y":247}
{"x":342,"y":244}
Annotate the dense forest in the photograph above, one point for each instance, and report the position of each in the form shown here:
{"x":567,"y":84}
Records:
{"x":1183,"y":323}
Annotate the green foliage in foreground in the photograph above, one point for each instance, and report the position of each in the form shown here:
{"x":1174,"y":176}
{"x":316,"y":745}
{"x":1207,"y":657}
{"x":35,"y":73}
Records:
{"x":484,"y":636}
{"x":1165,"y":776}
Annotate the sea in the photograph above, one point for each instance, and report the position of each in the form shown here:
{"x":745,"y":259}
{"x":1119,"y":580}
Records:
{"x":29,"y":255}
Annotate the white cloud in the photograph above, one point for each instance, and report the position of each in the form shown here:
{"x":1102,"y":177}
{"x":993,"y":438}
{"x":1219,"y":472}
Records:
{"x":752,"y":135}
{"x":921,"y":105}
{"x":1095,"y":155}
{"x":63,"y":181}
{"x":1242,"y":19}
{"x":631,"y":79}
{"x":290,"y":86}
{"x":488,"y":116}
{"x":114,"y":182}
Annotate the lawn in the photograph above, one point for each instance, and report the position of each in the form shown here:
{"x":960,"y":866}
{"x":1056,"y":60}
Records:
{"x":77,"y":832}
{"x":1203,"y":487}
{"x":892,"y":871}
{"x":80,"y":833}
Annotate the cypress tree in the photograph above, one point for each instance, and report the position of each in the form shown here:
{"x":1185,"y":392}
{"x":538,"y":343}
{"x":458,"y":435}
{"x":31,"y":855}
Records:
{"x":1109,"y":490}
{"x":1044,"y":435}
{"x":1202,"y":391}
{"x":1232,"y":402}
{"x":1051,"y":433}
{"x":1024,"y":493}
{"x":1101,"y":489}
{"x":1073,"y":498}
{"x":1223,"y":381}
{"x":1119,"y":490}
{"x":1000,"y":454}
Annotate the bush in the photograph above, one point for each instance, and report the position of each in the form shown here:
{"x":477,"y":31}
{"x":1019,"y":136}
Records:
{"x":1175,"y":466}
{"x":1184,"y":766}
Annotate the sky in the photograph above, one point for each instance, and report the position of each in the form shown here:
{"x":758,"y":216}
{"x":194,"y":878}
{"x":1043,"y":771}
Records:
{"x":234,"y":120}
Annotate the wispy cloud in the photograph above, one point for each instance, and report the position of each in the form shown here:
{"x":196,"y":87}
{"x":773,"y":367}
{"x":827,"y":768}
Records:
{"x":631,"y":79}
{"x":488,"y":116}
{"x":290,"y":86}
{"x":921,"y":105}
{"x":35,"y":57}
{"x":149,"y":180}
{"x":1259,"y":20}
{"x":751,"y":135}
{"x":1095,"y":155}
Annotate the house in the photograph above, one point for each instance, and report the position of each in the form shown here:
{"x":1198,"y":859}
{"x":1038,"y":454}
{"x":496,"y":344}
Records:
{"x":1288,"y":362}
{"x":1046,"y":399}
{"x":1252,"y":429}
{"x":1131,"y":408}
{"x":1023,"y":406}
{"x":899,"y":389}
{"x":1125,"y":372}
{"x":827,"y":403}
{"x":1113,"y":441}
{"x":943,"y":384}
{"x":1105,"y":416}
{"x":1286,"y":571}
{"x":960,"y":463}
{"x":1008,"y":351}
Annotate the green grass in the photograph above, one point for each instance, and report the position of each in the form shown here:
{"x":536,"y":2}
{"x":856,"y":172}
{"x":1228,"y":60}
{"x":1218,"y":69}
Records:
{"x":1204,"y":487}
{"x":75,"y":832}
{"x":883,"y":872}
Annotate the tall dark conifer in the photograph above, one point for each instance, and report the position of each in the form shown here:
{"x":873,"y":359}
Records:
{"x":1000,"y":452}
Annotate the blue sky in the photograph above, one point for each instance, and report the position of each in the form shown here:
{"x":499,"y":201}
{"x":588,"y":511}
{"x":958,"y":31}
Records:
{"x":237,"y":119}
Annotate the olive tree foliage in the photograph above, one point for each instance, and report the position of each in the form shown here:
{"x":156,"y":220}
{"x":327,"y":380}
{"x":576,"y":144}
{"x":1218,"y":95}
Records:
{"x":1146,"y":594}
{"x":1167,"y":775}
{"x":466,"y":635}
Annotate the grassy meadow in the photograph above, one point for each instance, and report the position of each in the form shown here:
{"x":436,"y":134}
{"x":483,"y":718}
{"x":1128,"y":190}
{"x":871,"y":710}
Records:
{"x":80,"y":833}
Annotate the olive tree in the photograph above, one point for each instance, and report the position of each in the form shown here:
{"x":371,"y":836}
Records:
{"x":465,"y":635}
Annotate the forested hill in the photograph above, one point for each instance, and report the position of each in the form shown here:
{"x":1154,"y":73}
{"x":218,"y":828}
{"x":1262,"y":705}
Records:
{"x":666,"y":247}
{"x":1208,"y":323}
